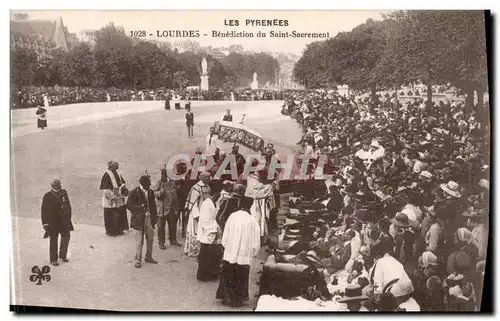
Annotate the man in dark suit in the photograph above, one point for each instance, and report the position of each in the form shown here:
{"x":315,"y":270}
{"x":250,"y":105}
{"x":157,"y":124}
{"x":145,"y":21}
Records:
{"x":190,"y":122}
{"x":142,"y":206}
{"x":228,"y":116}
{"x":56,"y":219}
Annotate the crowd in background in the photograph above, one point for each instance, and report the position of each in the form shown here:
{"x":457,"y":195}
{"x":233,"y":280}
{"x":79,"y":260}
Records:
{"x":409,"y":198}
{"x":30,"y":99}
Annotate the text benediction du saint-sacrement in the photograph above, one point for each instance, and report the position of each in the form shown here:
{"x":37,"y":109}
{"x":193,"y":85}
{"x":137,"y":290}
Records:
{"x":235,"y":33}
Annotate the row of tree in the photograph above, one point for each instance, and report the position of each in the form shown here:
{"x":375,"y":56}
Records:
{"x":116,"y":60}
{"x":431,"y":47}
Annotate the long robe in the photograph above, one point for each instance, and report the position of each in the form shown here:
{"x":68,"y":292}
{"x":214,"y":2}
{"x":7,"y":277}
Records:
{"x":115,"y":213}
{"x":209,"y":259}
{"x":241,"y":244}
{"x":263,"y":202}
{"x":198,"y":193}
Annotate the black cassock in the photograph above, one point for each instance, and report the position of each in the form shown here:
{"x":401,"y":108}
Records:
{"x":115,"y":219}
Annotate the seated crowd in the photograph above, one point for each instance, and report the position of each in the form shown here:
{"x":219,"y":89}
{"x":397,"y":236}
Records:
{"x":408,"y":204}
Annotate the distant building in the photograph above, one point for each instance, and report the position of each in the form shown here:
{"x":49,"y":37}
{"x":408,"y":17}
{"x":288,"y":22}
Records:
{"x":217,"y":54}
{"x":41,"y":35}
{"x":88,"y":35}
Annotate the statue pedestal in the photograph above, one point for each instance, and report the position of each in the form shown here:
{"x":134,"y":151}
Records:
{"x":204,"y":82}
{"x":254,"y":85}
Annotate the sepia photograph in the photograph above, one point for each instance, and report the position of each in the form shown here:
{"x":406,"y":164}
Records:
{"x":250,"y":160}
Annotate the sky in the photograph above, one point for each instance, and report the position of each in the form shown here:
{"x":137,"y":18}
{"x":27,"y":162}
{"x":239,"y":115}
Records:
{"x":303,"y":21}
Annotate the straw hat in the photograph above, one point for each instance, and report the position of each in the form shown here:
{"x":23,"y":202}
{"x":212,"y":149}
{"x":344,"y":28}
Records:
{"x":402,"y":287}
{"x":451,"y":188}
{"x":353,"y":292}
{"x":428,"y":258}
{"x":401,"y":220}
{"x":312,"y":257}
{"x":426,"y":174}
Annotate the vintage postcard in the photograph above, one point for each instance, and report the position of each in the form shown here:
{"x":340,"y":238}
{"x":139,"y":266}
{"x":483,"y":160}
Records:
{"x":250,"y":160}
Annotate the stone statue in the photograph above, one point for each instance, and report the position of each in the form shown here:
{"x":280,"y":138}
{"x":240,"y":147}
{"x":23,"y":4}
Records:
{"x":255,"y":84}
{"x":204,"y":66}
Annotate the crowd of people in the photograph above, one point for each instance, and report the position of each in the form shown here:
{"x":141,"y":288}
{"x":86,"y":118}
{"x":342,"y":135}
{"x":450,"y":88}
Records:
{"x":30,"y":99}
{"x":405,"y":213}
{"x":408,"y":205}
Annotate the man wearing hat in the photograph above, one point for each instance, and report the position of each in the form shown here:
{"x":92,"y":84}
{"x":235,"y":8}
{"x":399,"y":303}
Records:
{"x":166,"y":207}
{"x":424,"y":188}
{"x":141,"y":204}
{"x":451,"y":190}
{"x":189,"y":122}
{"x":402,"y":291}
{"x":56,"y":219}
{"x":376,"y":151}
{"x":364,"y":153}
{"x":353,"y":297}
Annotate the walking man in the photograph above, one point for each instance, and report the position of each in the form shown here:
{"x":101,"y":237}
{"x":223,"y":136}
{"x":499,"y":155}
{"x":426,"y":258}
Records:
{"x":190,"y":122}
{"x":166,"y":208}
{"x":141,"y":204}
{"x":56,"y":219}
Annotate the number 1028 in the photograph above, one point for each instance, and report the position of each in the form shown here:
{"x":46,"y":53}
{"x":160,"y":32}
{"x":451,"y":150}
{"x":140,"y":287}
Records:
{"x":138,"y":33}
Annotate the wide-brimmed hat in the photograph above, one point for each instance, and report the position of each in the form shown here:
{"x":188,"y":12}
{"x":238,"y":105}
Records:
{"x":402,"y":287}
{"x":401,"y":220}
{"x":428,"y":258}
{"x":353,"y":292}
{"x":451,"y":188}
{"x":312,"y":257}
{"x":426,"y":174}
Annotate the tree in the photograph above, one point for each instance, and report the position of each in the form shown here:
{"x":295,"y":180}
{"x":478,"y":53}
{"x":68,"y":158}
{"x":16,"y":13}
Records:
{"x":181,"y":79}
{"x":242,"y":66}
{"x":314,"y":69}
{"x":23,"y":65}
{"x":79,"y":66}
{"x":149,"y":66}
{"x":112,"y":58}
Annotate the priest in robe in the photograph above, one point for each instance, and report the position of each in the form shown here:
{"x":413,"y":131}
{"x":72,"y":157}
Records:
{"x":114,"y":192}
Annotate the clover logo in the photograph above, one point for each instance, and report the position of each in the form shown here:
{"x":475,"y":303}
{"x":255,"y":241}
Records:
{"x":40,"y":275}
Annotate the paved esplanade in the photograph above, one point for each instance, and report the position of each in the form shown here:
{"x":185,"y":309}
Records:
{"x":76,"y":147}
